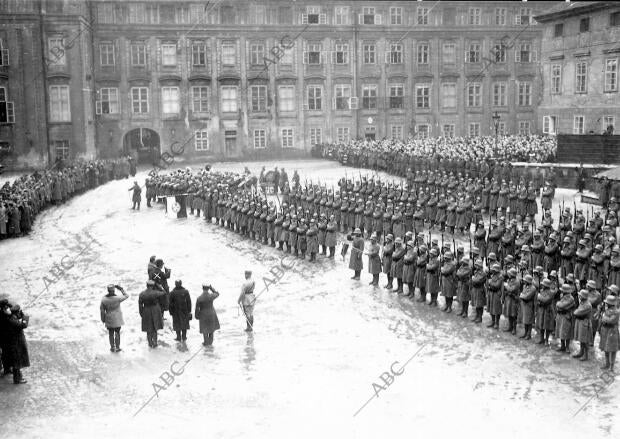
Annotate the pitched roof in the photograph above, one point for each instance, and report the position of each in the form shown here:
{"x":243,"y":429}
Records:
{"x":568,"y":9}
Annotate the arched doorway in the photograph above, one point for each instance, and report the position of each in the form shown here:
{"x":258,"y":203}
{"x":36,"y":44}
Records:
{"x":142,"y":143}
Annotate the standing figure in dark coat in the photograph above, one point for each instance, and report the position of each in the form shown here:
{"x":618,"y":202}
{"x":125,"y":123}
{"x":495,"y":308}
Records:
{"x":478,"y":289}
{"x":136,"y":197}
{"x":16,"y":322}
{"x":448,"y":280}
{"x":512,"y":289}
{"x":247,"y":299}
{"x":610,"y":338}
{"x":582,"y":331}
{"x":463,"y":276}
{"x":5,"y":313}
{"x":161,"y":276}
{"x":388,"y":250}
{"x":545,"y":320}
{"x":112,"y":316}
{"x":180,"y":310}
{"x":494,"y":296}
{"x":564,"y":318}
{"x":374,"y":260}
{"x":357,"y":249}
{"x":527,"y":297}
{"x":149,"y":305}
{"x":397,"y":263}
{"x":206,"y":315}
{"x":432,"y":276}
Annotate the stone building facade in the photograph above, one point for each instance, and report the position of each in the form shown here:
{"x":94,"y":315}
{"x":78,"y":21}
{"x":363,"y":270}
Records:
{"x":262,"y":78}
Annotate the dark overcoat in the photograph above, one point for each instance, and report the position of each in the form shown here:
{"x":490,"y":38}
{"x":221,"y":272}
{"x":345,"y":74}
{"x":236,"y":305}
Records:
{"x":180,"y":308}
{"x":205,"y":313}
{"x":149,"y":305}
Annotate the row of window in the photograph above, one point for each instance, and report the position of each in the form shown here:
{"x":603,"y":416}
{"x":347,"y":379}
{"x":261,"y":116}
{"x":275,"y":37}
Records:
{"x":610,"y":83}
{"x":551,"y":124}
{"x":584,"y":25}
{"x":108,"y":101}
{"x":7,"y":108}
{"x":140,"y":13}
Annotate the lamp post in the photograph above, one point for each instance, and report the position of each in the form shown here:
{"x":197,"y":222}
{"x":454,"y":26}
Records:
{"x":496,"y":118}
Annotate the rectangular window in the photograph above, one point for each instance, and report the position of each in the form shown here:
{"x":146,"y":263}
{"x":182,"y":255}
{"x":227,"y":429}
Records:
{"x":342,"y":15}
{"x":558,"y":30}
{"x":166,"y":14}
{"x":201,"y":140}
{"x":614,"y":19}
{"x":61,"y":148}
{"x":395,"y":54}
{"x":229,"y":54}
{"x":287,"y":56}
{"x":168,"y":54}
{"x":524,"y":53}
{"x":584,"y":25}
{"x":473,"y":54}
{"x":499,"y":52}
{"x":396,"y":15}
{"x":474,"y":16}
{"x":341,"y":54}
{"x":286,"y":97}
{"x":200,"y":99}
{"x":139,"y":100}
{"x":313,"y":16}
{"x":260,"y":139}
{"x":523,"y":17}
{"x":581,"y":77}
{"x":369,"y":50}
{"x":448,"y":130}
{"x":578,"y":125}
{"x":368,"y":15}
{"x":286,"y":134}
{"x":199,"y":54}
{"x":422,"y":16}
{"x":4,"y":55}
{"x":170,"y":100}
{"x":107,"y":102}
{"x":258,"y":98}
{"x":396,"y":131}
{"x":315,"y":136}
{"x":500,"y":16}
{"x":227,"y":15}
{"x":524,"y":128}
{"x":285,"y":15}
{"x":499,"y":94}
{"x":608,"y":121}
{"x":7,"y":109}
{"x":424,"y":131}
{"x":257,"y":53}
{"x":396,"y":96}
{"x":474,"y":129}
{"x":525,"y":94}
{"x":369,"y":97}
{"x":550,"y":124}
{"x":106,"y":54}
{"x":448,"y":95}
{"x":343,"y":95}
{"x":422,"y":96}
{"x":423,"y":53}
{"x":342,"y":134}
{"x":229,"y":99}
{"x":313,"y":55}
{"x":315,"y":97}
{"x":474,"y":97}
{"x":556,"y":79}
{"x":138,"y":54}
{"x":449,"y":53}
{"x":56,"y":51}
{"x":60,"y":104}
{"x":137,"y":13}
{"x":611,"y":75}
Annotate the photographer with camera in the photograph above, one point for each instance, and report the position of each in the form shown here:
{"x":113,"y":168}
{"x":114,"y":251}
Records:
{"x":112,"y":316}
{"x":16,"y":321}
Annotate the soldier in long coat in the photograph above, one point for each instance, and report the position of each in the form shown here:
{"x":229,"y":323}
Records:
{"x":388,"y":250}
{"x":582,"y":259}
{"x":374,"y":260}
{"x":614,"y":267}
{"x":206,"y":315}
{"x":150,"y":308}
{"x":478,"y":290}
{"x":397,"y":263}
{"x":448,"y":280}
{"x":409,"y":267}
{"x":551,"y":258}
{"x":512,"y":289}
{"x":312,"y":240}
{"x":432,"y":276}
{"x":463,"y":276}
{"x":610,"y":338}
{"x":330,"y":236}
{"x":564,"y":318}
{"x":112,"y":316}
{"x":494,"y":295}
{"x":322,"y":226}
{"x":357,"y":249}
{"x":582,"y":331}
{"x":15,"y":322}
{"x":180,"y":310}
{"x":545,"y":320}
{"x":419,"y":278}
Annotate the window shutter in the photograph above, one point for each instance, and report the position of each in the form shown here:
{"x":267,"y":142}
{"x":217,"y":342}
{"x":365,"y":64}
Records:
{"x":322,"y":18}
{"x":360,"y":19}
{"x":534,"y":55}
{"x":5,"y":57}
{"x":333,"y":56}
{"x":324,"y":57}
{"x":353,"y":102}
{"x":517,"y":54}
{"x":10,"y":112}
{"x":334,"y":103}
{"x":387,"y":57}
{"x":466,"y":53}
{"x":518,"y":19}
{"x":158,"y":59}
{"x":98,"y":109}
{"x":304,"y":18}
{"x":306,"y":57}
{"x":378,"y":19}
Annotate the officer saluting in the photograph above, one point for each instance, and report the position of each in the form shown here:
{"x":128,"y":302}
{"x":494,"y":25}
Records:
{"x":246,"y":300}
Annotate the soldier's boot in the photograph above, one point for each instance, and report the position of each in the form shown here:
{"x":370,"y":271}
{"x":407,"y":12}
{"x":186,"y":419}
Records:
{"x":514,"y":326}
{"x":478,"y":315}
{"x":273,"y":242}
{"x":606,"y":366}
{"x":297,"y":252}
{"x":357,"y":274}
{"x":303,"y":254}
{"x":612,"y":361}
{"x":547,"y":334}
{"x":524,"y":332}
{"x":585,"y":352}
{"x":399,"y":282}
{"x":389,"y":286}
{"x":324,"y":252}
{"x":422,"y":297}
{"x":496,"y":327}
{"x":313,"y":256}
{"x":279,"y":245}
{"x":464,"y":309}
{"x":449,"y":305}
{"x":580,"y":354}
{"x":562,"y":347}
{"x":375,"y":280}
{"x":332,"y":251}
{"x":492,"y":324}
{"x":542,"y":337}
{"x":529,"y":332}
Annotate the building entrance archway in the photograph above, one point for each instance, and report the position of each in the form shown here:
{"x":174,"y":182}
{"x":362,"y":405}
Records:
{"x":144,"y":144}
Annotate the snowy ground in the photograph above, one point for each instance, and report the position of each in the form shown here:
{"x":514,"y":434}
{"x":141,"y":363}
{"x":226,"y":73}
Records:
{"x":321,"y":341}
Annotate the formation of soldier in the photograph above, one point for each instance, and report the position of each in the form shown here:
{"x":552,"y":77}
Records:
{"x":28,"y":195}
